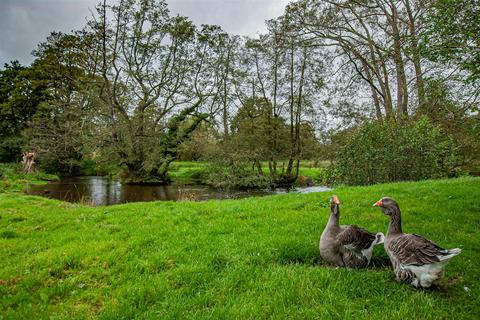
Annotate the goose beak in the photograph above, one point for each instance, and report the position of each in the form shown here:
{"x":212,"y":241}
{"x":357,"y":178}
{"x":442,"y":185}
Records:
{"x":378,"y":203}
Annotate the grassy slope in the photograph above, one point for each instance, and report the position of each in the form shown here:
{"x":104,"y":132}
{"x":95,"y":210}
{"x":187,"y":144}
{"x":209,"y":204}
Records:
{"x":253,"y":258}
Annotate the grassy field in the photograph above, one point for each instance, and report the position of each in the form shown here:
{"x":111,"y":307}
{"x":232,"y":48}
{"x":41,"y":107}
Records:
{"x":238,"y":259}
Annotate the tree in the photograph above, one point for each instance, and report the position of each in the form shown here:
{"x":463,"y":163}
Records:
{"x":452,"y":34}
{"x":374,"y":43}
{"x":156,"y":75}
{"x":458,"y":119}
{"x":62,"y":125}
{"x":252,"y":129}
{"x":203,"y":145}
{"x":284,"y":70}
{"x":19,"y":100}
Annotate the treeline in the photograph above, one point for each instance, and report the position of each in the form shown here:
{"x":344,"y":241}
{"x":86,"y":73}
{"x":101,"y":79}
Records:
{"x":385,"y":90}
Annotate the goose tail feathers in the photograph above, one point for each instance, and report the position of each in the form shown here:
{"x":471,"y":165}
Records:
{"x":449,"y":254}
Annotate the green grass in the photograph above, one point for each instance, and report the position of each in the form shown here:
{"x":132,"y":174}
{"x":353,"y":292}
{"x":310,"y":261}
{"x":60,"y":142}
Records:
{"x":314,"y":173}
{"x":308,"y":168}
{"x":187,"y":171}
{"x":238,"y":259}
{"x":12,"y":179}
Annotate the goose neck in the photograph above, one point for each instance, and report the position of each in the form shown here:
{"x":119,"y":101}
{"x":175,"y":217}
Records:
{"x":334,"y":216}
{"x":395,"y":226}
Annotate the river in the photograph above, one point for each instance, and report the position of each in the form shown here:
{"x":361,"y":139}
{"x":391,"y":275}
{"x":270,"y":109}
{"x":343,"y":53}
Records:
{"x":101,"y":191}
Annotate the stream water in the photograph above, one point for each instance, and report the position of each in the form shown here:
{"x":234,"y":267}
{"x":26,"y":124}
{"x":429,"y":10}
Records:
{"x":100,"y":191}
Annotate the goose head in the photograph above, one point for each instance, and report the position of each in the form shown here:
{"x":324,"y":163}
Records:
{"x":334,"y":203}
{"x":387,"y":205}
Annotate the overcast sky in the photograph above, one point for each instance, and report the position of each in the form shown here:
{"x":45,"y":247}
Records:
{"x":25,"y":23}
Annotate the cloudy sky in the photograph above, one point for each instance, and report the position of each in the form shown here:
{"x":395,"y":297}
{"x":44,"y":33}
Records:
{"x":25,"y":23}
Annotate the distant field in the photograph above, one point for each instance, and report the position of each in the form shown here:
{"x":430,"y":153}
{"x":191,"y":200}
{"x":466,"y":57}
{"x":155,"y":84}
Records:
{"x":255,"y":258}
{"x":187,"y":171}
{"x":193,"y":171}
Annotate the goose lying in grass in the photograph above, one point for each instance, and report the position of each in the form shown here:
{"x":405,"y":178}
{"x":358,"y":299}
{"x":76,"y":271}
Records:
{"x":346,"y":246}
{"x":415,"y":260}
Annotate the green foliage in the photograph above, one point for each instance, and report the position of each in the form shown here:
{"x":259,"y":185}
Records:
{"x":452,"y":34}
{"x":19,"y":99}
{"x":378,"y":153}
{"x":255,"y":258}
{"x":203,"y":144}
{"x":257,"y":134}
{"x":57,"y":137}
{"x":461,"y":121}
{"x":149,"y":158}
{"x":11,"y":148}
{"x":253,"y":156}
{"x":309,"y":145}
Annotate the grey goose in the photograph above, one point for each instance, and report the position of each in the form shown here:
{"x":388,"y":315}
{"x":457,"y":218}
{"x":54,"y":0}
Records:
{"x":415,"y":260}
{"x":346,"y":246}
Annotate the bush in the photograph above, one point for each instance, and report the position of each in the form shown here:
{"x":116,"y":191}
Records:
{"x":236,"y":176}
{"x":377,"y":153}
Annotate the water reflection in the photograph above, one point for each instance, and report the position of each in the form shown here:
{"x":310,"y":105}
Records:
{"x":103,"y":191}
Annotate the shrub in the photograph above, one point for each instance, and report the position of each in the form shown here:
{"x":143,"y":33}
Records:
{"x":236,"y":176}
{"x":377,"y":153}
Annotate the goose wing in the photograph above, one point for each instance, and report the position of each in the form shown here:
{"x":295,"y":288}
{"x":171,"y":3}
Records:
{"x":412,"y":249}
{"x":356,"y":237}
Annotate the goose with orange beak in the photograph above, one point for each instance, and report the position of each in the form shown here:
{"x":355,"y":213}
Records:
{"x":346,"y":246}
{"x":416,"y":260}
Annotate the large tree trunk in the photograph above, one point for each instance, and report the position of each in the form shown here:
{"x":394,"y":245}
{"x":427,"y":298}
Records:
{"x":402,"y":90}
{"x":416,"y":56}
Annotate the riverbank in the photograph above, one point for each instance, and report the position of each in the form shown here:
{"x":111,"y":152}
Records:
{"x":197,"y":171}
{"x":181,"y":173}
{"x":12,"y":179}
{"x":247,"y":259}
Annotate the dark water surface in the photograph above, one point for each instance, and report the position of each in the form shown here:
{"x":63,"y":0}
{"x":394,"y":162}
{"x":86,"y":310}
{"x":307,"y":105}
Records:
{"x":102,"y":191}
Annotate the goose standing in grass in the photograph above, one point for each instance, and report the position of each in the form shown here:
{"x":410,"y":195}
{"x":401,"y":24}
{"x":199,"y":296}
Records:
{"x":415,"y":260}
{"x":346,"y":246}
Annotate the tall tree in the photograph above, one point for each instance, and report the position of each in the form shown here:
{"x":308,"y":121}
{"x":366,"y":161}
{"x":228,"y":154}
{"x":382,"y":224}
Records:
{"x":153,"y":69}
{"x":62,"y":125}
{"x":20,"y":97}
{"x":376,"y":43}
{"x":281,"y":70}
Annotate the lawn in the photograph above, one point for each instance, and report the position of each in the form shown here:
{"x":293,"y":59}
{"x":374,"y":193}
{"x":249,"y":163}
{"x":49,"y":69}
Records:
{"x":238,"y":259}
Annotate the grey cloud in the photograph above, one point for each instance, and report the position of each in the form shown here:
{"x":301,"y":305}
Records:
{"x":25,"y":23}
{"x":243,"y":17}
